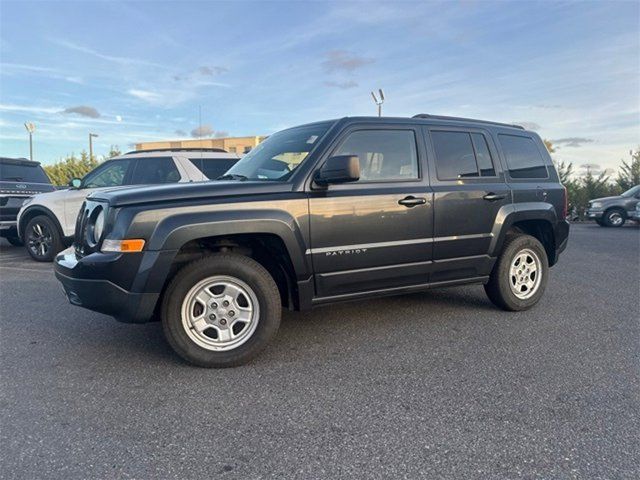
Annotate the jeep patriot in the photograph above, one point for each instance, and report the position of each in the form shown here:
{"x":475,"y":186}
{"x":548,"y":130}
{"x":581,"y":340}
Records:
{"x":330,"y":211}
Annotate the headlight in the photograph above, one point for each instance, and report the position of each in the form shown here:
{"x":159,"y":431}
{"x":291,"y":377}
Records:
{"x":596,"y":205}
{"x":98,"y":226}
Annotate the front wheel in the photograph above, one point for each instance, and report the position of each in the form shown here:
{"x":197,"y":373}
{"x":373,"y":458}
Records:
{"x":614,"y":218}
{"x":519,"y":277}
{"x":221,"y":310}
{"x":43,"y":239}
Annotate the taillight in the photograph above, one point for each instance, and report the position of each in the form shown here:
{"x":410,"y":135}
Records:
{"x":565,"y":212}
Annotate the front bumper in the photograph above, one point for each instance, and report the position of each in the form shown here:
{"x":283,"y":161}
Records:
{"x":126,"y":286}
{"x":595,"y":214}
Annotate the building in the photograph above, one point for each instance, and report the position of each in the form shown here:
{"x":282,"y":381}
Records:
{"x":230,"y":144}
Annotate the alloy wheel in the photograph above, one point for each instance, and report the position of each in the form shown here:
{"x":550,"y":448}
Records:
{"x":525,"y":274}
{"x":39,"y":239}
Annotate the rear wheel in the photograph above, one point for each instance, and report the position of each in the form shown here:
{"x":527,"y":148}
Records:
{"x":519,"y":277}
{"x":614,"y":218}
{"x":43,"y":239}
{"x":221,"y":311}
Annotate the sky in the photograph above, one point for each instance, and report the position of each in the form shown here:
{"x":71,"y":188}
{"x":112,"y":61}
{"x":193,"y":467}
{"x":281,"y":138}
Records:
{"x":142,"y":71}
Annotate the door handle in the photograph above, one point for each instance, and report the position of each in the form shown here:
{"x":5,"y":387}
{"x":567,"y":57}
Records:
{"x":412,"y":201}
{"x":492,"y":197}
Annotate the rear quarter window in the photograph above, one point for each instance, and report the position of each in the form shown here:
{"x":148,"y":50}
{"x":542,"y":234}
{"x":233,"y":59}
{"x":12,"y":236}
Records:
{"x":523,"y":157}
{"x":213,"y":168}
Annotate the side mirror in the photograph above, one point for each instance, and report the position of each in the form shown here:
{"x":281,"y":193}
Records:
{"x":339,"y":169}
{"x":75,"y":183}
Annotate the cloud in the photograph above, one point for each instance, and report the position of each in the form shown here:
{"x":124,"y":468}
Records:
{"x":202,"y":131}
{"x":47,"y":72}
{"x":211,"y":71}
{"x":343,"y":85}
{"x":572,"y":141}
{"x":529,"y":125}
{"x":103,"y":56}
{"x":146,"y":95}
{"x":341,"y":60}
{"x":180,"y":133}
{"x":83,"y":111}
{"x":28,"y":109}
{"x":221,"y":134}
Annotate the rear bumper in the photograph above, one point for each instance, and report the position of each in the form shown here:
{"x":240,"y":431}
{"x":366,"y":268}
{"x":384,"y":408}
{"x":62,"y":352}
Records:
{"x":125,"y":286}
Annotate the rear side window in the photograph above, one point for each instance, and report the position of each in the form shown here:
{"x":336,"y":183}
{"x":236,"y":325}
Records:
{"x":523,"y":157}
{"x":213,"y":168}
{"x":153,"y":171}
{"x":462,"y":155}
{"x":10,"y":172}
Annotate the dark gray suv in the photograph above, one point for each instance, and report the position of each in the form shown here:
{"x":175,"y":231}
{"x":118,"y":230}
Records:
{"x":614,"y":211}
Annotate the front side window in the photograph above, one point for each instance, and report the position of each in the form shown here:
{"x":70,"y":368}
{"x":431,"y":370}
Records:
{"x":383,"y":154}
{"x":156,"y":170}
{"x":111,"y":174}
{"x":280,"y":155}
{"x":523,"y":157}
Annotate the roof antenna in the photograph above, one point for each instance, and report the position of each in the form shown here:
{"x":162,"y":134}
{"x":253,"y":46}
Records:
{"x":379,"y":101}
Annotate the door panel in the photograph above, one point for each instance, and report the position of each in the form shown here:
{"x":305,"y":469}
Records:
{"x":375,"y":233}
{"x":469,"y":191}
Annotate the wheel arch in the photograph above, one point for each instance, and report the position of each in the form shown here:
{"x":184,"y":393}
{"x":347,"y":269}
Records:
{"x":34,"y":211}
{"x":535,"y":219}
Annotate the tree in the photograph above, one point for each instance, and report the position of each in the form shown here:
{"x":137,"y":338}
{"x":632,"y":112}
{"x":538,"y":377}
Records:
{"x":114,"y":151}
{"x":629,"y":173}
{"x":70,"y":167}
{"x":549,"y":145}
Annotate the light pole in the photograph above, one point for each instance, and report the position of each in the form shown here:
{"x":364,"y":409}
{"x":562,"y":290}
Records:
{"x":31,"y":127}
{"x":91,"y":137}
{"x":378,"y":101}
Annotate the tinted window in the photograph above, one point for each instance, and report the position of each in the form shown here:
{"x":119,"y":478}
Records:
{"x":111,"y":174}
{"x":383,"y":154}
{"x":454,"y":155}
{"x":213,"y":168}
{"x":483,"y":156}
{"x":523,"y":157}
{"x":152,"y":171}
{"x":10,"y":172}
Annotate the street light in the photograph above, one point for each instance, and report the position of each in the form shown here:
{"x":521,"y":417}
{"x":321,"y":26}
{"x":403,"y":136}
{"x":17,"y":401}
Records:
{"x":31,"y":127}
{"x":378,"y":101}
{"x":91,"y":137}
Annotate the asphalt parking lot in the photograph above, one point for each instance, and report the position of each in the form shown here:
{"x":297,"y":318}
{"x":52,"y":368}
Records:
{"x":431,"y":385}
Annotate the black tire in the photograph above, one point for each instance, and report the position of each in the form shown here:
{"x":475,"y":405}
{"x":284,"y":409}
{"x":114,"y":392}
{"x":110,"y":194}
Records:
{"x":15,"y":241}
{"x":614,"y":217}
{"x":42,"y":239}
{"x":498,"y":288}
{"x":233,"y":265}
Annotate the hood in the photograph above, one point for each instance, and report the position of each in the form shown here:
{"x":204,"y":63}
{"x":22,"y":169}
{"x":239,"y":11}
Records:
{"x":188,"y":191}
{"x":605,"y":199}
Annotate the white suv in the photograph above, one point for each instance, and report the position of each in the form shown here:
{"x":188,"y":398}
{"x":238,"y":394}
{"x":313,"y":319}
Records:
{"x":46,"y":222}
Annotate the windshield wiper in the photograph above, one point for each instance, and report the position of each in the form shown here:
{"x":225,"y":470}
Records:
{"x":233,"y":176}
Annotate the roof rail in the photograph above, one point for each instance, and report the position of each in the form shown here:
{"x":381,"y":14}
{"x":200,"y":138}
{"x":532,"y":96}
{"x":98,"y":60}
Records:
{"x":442,"y":117}
{"x":185,"y":149}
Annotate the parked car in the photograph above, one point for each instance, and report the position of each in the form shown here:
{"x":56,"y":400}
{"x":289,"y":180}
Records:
{"x":19,"y":179}
{"x":331,"y":211}
{"x":614,"y":211}
{"x":46,"y":222}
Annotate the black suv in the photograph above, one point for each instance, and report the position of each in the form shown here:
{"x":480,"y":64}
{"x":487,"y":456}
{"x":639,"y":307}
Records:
{"x":19,"y":179}
{"x":326,"y":212}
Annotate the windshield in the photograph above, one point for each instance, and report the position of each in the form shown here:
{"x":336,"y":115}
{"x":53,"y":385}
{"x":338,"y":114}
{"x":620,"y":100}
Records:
{"x":632,"y":191}
{"x":279,"y":155}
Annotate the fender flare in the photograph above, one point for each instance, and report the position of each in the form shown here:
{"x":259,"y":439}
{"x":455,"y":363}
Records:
{"x":516,"y":212}
{"x":174,"y":231}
